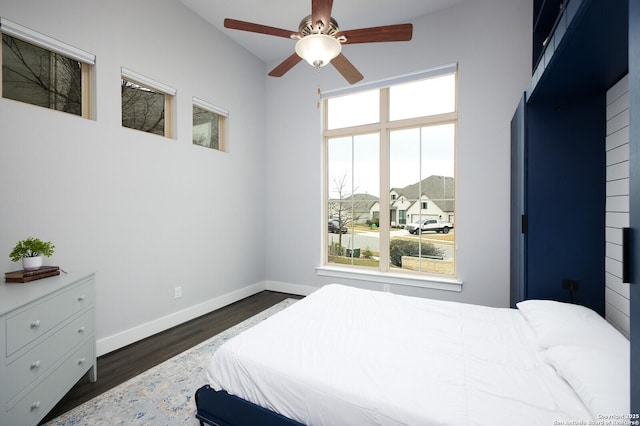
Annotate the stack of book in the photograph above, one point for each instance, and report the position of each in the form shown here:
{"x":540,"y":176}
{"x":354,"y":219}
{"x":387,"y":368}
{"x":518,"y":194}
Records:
{"x":26,"y":275}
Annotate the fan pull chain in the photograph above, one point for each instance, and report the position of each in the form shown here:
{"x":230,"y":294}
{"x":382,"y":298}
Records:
{"x":319,"y":92}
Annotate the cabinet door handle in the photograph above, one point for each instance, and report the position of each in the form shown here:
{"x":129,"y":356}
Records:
{"x":81,"y":361}
{"x":35,"y":324}
{"x":81,"y":298}
{"x":35,"y":405}
{"x":81,"y":329}
{"x":35,"y":365}
{"x":626,"y":256}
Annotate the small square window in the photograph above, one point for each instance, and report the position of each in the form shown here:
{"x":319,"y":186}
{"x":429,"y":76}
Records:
{"x":208,"y":128}
{"x":147,"y":104}
{"x":143,"y":108}
{"x":209,"y":125}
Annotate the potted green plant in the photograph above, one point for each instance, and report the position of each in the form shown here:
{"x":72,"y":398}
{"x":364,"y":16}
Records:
{"x":31,"y":252}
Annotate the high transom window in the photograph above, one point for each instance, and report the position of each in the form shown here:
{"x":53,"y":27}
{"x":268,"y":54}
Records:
{"x":42,"y":71}
{"x":390,"y":175}
{"x":147,"y":105}
{"x":209,"y":125}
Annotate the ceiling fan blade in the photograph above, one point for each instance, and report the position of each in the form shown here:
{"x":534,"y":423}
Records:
{"x":285,"y":66}
{"x":346,"y":68}
{"x":401,"y":32}
{"x":258,"y":28}
{"x":321,"y":11}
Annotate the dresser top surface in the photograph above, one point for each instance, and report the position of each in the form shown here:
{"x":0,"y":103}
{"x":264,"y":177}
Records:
{"x":15,"y":295}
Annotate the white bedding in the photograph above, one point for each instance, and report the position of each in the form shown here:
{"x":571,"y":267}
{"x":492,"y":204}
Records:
{"x":345,"y":356}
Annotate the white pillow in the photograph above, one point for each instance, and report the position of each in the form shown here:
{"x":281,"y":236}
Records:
{"x":600,"y":378}
{"x":559,"y":323}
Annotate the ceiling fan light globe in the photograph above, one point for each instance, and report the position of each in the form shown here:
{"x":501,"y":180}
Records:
{"x":318,"y":49}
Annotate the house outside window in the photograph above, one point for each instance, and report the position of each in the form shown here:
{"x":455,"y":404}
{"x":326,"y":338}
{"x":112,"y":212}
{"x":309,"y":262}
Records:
{"x":50,"y":74}
{"x":379,"y":174}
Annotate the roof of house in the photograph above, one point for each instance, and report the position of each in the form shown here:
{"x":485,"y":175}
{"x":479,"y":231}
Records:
{"x":361,"y":202}
{"x":438,"y":189}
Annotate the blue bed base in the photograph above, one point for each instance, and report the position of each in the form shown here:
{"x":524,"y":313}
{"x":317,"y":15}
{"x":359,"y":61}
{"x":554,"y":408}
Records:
{"x":219,"y":408}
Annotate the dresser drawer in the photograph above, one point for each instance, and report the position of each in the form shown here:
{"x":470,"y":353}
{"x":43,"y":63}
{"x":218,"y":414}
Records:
{"x":32,"y":407}
{"x":26,"y":325}
{"x":37,"y":361}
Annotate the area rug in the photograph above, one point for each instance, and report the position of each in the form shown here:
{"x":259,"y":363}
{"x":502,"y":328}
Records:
{"x":162,"y":395}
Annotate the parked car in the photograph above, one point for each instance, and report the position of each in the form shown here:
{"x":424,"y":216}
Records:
{"x":424,"y":225}
{"x":334,"y":227}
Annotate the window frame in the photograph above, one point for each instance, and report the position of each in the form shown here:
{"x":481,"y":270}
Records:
{"x":86,"y":59}
{"x":384,"y":274}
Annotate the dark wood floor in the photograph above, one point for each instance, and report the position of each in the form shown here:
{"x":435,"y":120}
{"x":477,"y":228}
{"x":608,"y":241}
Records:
{"x":119,"y":366}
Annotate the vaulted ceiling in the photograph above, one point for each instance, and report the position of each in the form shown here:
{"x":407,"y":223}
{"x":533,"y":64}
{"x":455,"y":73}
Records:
{"x":287,"y":14}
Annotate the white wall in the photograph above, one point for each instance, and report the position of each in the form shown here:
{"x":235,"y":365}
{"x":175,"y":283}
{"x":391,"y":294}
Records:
{"x":617,"y":293}
{"x":491,"y":41}
{"x":148,"y":213}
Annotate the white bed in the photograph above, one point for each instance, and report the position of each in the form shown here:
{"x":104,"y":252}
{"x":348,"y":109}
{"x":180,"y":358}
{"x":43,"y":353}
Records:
{"x":346,"y":356}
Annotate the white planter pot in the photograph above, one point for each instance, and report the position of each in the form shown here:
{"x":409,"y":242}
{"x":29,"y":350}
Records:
{"x":31,"y":262}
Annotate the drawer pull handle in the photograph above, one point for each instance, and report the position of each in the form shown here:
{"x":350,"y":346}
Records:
{"x":81,"y":298}
{"x":81,"y":361}
{"x":81,"y":329}
{"x":35,"y":365}
{"x":35,"y":405}
{"x":35,"y":324}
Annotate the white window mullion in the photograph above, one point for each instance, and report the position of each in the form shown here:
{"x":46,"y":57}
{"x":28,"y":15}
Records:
{"x":325,"y":188}
{"x":420,"y":192}
{"x":353,"y":185}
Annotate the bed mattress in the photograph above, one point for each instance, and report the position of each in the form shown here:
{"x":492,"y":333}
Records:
{"x":348,"y":356}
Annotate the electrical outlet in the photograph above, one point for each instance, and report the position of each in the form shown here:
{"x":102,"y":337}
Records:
{"x":177,"y":292}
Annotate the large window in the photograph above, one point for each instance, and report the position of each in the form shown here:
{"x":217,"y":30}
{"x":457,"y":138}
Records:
{"x":390,"y":175}
{"x":41,"y":71}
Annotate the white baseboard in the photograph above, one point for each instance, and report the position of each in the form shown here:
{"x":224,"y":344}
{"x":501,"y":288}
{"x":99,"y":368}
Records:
{"x":299,"y":289}
{"x":132,"y":335}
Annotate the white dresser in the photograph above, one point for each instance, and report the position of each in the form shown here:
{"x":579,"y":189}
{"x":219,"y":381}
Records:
{"x":47,"y":343}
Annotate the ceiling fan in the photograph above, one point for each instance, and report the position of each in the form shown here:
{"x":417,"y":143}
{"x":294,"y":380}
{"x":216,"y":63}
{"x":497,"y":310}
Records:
{"x":320,"y":39}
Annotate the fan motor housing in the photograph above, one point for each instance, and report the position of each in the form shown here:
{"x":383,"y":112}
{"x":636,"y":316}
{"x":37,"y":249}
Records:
{"x":307,"y":27}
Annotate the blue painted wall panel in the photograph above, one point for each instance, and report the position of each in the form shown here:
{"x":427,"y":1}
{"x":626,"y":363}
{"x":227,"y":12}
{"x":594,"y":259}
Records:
{"x":566,"y":200}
